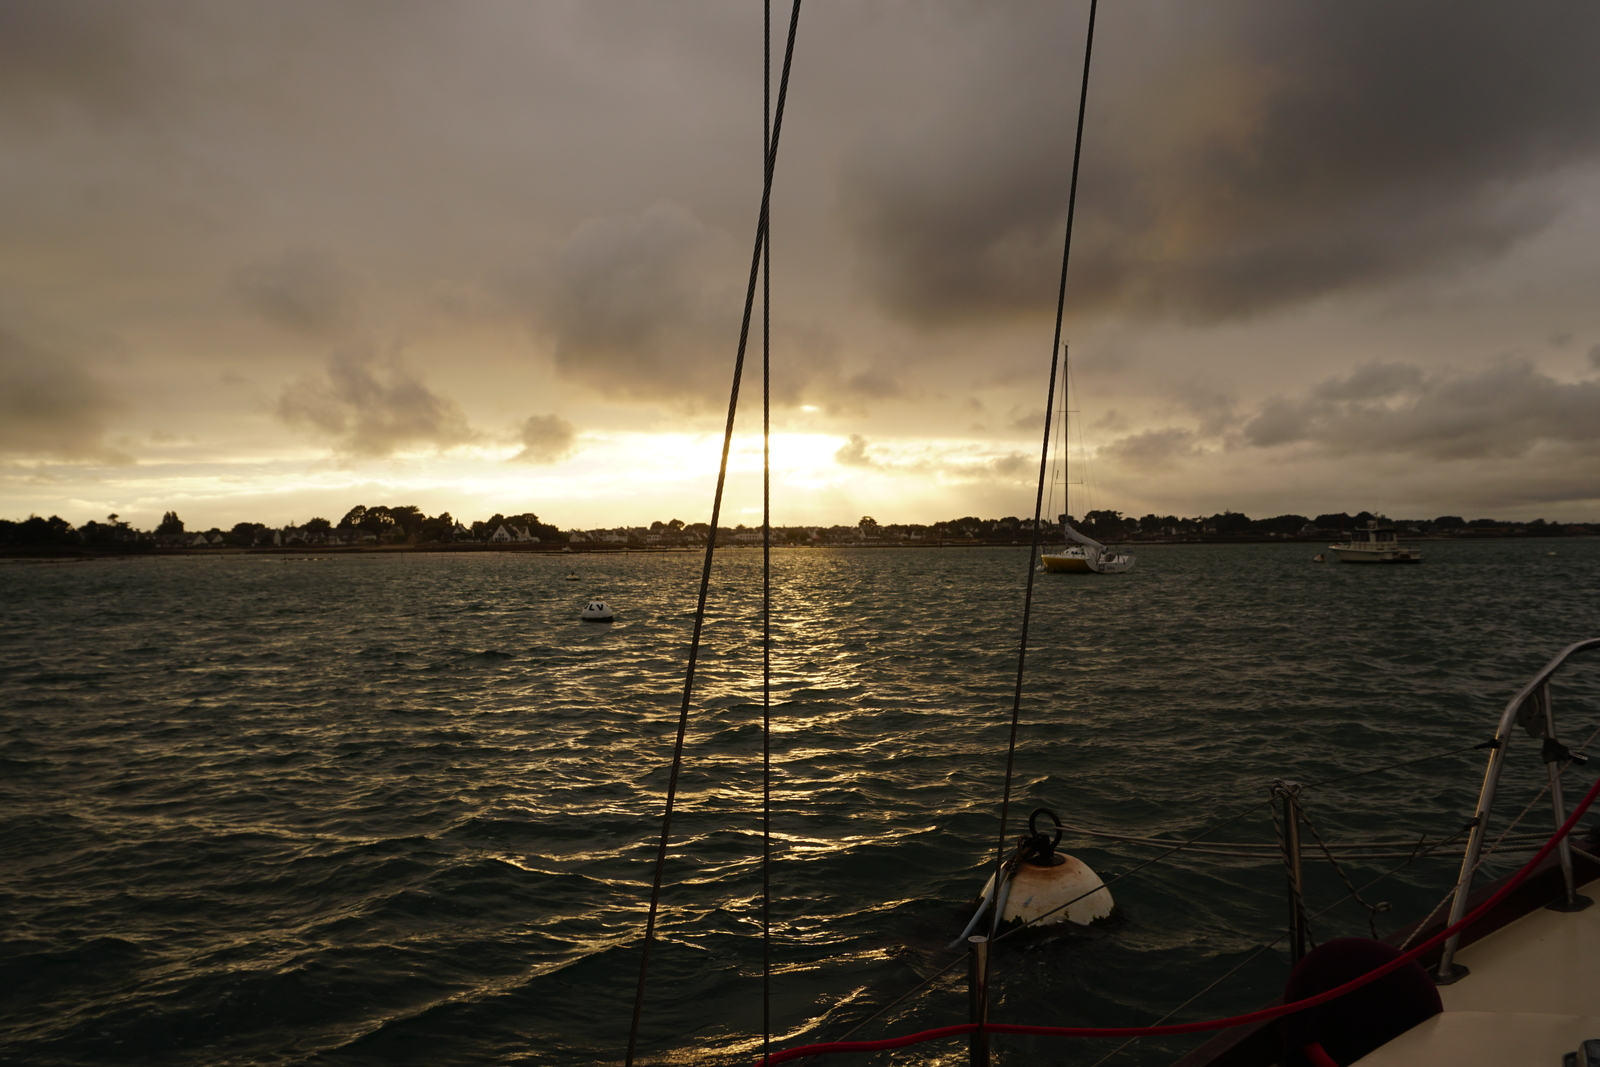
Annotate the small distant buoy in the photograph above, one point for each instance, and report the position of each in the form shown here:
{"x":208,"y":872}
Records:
{"x":597,"y":611}
{"x":572,"y":576}
{"x":1319,"y":558}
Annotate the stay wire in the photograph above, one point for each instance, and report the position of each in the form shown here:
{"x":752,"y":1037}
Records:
{"x":1391,"y":766}
{"x":1044,"y":454}
{"x":1269,"y":946}
{"x":1355,"y":894}
{"x":913,"y":991}
{"x":1495,"y":847}
{"x":1104,"y":884}
{"x":766,"y":544}
{"x":711,"y":540}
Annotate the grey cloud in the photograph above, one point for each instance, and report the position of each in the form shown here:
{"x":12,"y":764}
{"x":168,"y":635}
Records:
{"x":304,"y":291}
{"x":373,"y":406}
{"x":1153,"y":450}
{"x":51,"y":408}
{"x":1013,"y":466}
{"x":90,"y":56}
{"x":544,"y":439}
{"x":1501,"y":412}
{"x":1214,"y":409}
{"x":1371,"y":381}
{"x":873,"y":384}
{"x":1280,"y":421}
{"x":638,"y":309}
{"x":854,"y":453}
{"x":1113,"y":421}
{"x":1237,"y":157}
{"x":1594,"y":357}
{"x":1029,"y":421}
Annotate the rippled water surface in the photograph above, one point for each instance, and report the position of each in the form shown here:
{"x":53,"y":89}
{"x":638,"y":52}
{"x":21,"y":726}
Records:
{"x":397,"y":809}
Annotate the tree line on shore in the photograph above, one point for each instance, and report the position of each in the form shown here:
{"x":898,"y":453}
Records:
{"x":408,"y":524}
{"x":383,"y":524}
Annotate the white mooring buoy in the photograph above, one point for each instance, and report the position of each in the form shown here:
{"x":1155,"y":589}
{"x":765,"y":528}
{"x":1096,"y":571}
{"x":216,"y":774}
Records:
{"x":1042,"y":887}
{"x":1037,"y":894}
{"x":597,"y":611}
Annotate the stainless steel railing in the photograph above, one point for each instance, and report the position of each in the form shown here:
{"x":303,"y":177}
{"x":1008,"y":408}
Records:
{"x":1533,"y":710}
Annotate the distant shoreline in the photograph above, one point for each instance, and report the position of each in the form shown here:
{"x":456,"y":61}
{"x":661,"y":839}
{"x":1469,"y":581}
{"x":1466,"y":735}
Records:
{"x":66,"y":553}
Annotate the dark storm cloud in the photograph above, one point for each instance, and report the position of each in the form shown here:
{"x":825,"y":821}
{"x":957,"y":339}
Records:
{"x":544,"y":439}
{"x":1502,"y":412}
{"x":1237,"y":157}
{"x":638,"y":308}
{"x":85,"y":55}
{"x":373,"y":406}
{"x":1153,"y":450}
{"x":50,"y":407}
{"x":304,"y":291}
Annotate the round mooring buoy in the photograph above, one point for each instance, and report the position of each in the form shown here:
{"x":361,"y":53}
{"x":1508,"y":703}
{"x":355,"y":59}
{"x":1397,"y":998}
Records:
{"x":597,"y":611}
{"x":1038,"y":893}
{"x":1042,"y":887}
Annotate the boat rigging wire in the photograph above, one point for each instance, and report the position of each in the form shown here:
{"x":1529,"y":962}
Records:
{"x":1414,"y":855}
{"x":766,"y":537}
{"x":1044,"y":455}
{"x":1105,"y":883}
{"x":1397,"y":766}
{"x":1247,"y":850}
{"x":711,"y":538}
{"x":1373,"y":910}
{"x":1275,"y":1012}
{"x":1495,"y":848}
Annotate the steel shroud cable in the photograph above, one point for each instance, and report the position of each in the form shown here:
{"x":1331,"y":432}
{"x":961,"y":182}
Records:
{"x":1038,"y":500}
{"x":711,"y":539}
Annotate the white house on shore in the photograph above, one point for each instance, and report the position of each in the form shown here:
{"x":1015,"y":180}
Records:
{"x":504,"y":534}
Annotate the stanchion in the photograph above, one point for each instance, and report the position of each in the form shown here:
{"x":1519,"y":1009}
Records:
{"x":978,"y":998}
{"x":1288,"y":793}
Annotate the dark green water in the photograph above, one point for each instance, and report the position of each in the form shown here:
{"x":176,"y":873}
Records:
{"x":395,"y":810}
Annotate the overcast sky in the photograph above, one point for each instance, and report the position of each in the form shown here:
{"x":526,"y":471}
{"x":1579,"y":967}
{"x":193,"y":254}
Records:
{"x":267,"y":259}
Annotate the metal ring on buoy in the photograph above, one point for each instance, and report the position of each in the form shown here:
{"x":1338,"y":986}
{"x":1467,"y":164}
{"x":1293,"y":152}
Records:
{"x":1046,"y":848}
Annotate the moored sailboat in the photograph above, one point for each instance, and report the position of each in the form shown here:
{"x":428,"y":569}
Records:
{"x":1085,"y":555}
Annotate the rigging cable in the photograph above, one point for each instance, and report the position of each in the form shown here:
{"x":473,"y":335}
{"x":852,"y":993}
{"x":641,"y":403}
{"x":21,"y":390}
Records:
{"x":1495,"y":847}
{"x":1416,"y":854}
{"x":766,"y":542}
{"x":711,"y":540}
{"x":1038,"y":499}
{"x":1204,"y":1026}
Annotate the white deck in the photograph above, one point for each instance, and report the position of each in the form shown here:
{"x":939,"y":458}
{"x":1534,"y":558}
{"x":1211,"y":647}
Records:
{"x":1531,"y":997}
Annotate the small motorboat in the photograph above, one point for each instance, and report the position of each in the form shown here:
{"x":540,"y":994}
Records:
{"x":1375,"y":543}
{"x":597,"y":611}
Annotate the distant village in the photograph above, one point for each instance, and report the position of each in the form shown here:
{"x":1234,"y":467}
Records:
{"x":387,"y":527}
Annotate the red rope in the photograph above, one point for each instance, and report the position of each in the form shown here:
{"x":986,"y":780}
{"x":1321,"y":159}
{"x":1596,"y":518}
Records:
{"x":1209,"y":1024}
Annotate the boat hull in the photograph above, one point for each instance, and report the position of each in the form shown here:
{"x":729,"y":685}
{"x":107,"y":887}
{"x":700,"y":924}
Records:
{"x":1081,"y":563}
{"x":1368,"y":555}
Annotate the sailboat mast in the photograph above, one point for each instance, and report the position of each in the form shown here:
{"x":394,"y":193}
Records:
{"x":1066,"y":438}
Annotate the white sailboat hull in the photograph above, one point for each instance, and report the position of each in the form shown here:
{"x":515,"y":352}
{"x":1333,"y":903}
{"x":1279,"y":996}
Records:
{"x":1078,"y":560}
{"x":1360,"y":554}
